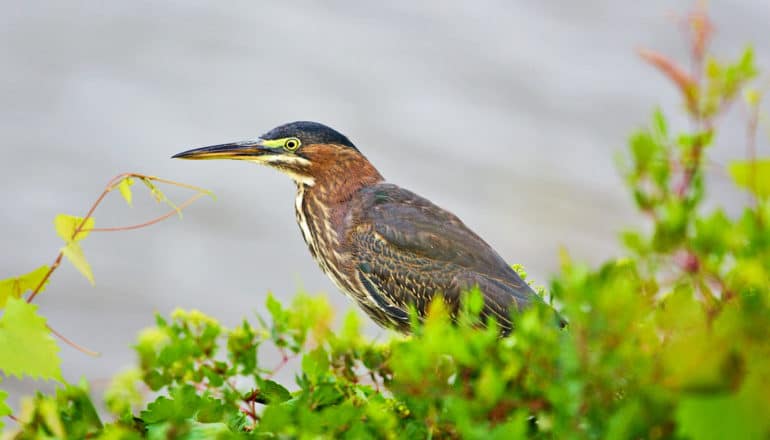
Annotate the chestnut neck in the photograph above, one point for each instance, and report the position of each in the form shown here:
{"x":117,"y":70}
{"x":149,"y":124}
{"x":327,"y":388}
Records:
{"x":339,"y":173}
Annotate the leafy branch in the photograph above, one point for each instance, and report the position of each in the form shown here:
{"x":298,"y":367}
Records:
{"x":72,"y":230}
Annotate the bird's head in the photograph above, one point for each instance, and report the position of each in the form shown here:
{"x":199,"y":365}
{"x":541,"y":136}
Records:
{"x":303,"y":150}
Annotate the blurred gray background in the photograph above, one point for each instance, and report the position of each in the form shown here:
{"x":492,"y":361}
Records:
{"x":507,"y":113}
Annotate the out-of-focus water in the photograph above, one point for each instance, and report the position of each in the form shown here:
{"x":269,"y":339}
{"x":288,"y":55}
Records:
{"x":507,"y":113}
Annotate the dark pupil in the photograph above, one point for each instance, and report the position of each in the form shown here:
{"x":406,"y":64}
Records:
{"x":290,"y":144}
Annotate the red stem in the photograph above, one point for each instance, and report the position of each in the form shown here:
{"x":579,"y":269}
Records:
{"x":55,"y":264}
{"x":72,"y":343}
{"x":158,"y":219}
{"x":284,"y":360}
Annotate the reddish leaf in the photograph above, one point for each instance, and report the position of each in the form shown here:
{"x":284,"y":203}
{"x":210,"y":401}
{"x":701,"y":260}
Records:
{"x":684,"y":81}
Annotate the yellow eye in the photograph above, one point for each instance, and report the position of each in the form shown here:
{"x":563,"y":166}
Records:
{"x":291,"y":144}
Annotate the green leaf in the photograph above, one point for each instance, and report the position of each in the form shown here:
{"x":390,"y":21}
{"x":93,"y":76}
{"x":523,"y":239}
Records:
{"x":215,"y":379}
{"x":276,"y":309}
{"x":15,"y":287}
{"x":67,"y":225}
{"x":520,"y":271}
{"x":753,"y":176}
{"x":160,"y":410}
{"x":125,"y":190}
{"x":183,"y":404}
{"x":643,"y":149}
{"x":315,"y":364}
{"x":48,"y":410}
{"x":74,"y":254}
{"x":5,"y":410}
{"x":713,"y":233}
{"x":155,"y":380}
{"x":475,"y":300}
{"x":325,"y":394}
{"x":26,"y":345}
{"x":490,"y":386}
{"x":272,"y":391}
{"x":210,"y":410}
{"x":122,"y":394}
{"x":351,"y":328}
{"x":77,"y":411}
{"x":659,"y":124}
{"x":717,"y":417}
{"x":687,"y":141}
{"x":206,"y":431}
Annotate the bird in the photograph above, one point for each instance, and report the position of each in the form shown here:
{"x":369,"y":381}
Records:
{"x":386,"y":247}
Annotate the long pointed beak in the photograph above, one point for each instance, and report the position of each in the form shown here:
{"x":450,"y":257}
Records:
{"x":234,"y":150}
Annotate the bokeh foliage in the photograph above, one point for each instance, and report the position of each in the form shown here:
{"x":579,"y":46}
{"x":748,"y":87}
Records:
{"x":670,"y":341}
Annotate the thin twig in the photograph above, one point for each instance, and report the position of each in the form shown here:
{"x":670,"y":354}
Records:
{"x":690,"y":170}
{"x":284,"y":360}
{"x":159,"y":219}
{"x":751,"y":148}
{"x":252,"y":414}
{"x":175,"y":183}
{"x":39,"y":287}
{"x":73,"y":344}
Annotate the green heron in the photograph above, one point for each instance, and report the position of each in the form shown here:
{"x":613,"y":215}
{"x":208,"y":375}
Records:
{"x":382,"y":245}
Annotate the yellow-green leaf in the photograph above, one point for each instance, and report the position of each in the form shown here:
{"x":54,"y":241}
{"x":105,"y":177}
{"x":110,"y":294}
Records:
{"x":159,"y":196}
{"x":123,"y":395}
{"x":66,"y":225}
{"x":753,"y":176}
{"x":74,"y":254}
{"x":15,"y":287}
{"x":26,"y":345}
{"x":125,"y":190}
{"x":752,"y":96}
{"x":49,"y":411}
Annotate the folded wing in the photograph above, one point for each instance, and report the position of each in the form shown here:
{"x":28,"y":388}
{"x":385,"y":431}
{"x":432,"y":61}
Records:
{"x":407,"y":249}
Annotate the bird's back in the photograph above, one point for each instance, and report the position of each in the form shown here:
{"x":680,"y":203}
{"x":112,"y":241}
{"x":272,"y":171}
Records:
{"x":406,"y":249}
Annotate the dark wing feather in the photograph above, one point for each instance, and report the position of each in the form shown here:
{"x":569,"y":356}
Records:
{"x":407,"y":249}
{"x":397,"y":314}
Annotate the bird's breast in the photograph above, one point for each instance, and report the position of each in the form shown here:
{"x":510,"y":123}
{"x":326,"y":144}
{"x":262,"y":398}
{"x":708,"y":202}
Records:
{"x":301,"y":215}
{"x":315,"y":220}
